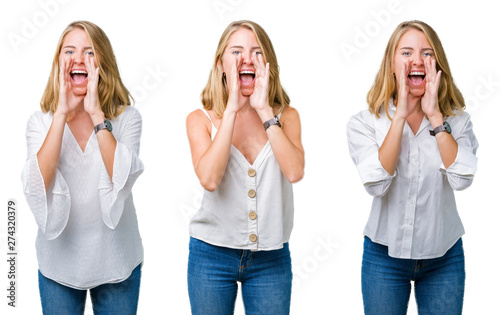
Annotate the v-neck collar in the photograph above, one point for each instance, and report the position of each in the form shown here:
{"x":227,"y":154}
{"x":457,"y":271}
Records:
{"x":423,"y":125}
{"x":76,"y":142}
{"x":258,"y":160}
{"x":242,"y":160}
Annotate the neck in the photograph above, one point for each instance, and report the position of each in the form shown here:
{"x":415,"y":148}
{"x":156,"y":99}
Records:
{"x":78,"y":112}
{"x":413,"y":103}
{"x":246,"y":108}
{"x":244,"y":101}
{"x":414,"y":100}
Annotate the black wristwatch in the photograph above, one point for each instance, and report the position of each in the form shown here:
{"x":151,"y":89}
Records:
{"x":272,"y":121}
{"x":444,"y":127}
{"x":106,"y":124}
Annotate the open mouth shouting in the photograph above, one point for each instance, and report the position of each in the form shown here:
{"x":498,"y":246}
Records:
{"x":79,"y":76}
{"x":247,"y":77}
{"x":416,"y":77}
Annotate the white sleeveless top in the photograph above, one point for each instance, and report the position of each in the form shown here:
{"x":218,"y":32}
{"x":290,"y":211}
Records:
{"x":252,"y":208}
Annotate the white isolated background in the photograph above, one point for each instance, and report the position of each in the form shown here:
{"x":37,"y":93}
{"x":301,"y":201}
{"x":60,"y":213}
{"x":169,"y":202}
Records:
{"x":329,"y":53}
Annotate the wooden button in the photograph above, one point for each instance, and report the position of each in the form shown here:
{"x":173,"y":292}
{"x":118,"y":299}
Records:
{"x":251,"y":193}
{"x":251,"y":172}
{"x":253,"y":238}
{"x":252,"y":215}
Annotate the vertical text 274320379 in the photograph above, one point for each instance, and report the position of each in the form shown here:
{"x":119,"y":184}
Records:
{"x":11,"y":253}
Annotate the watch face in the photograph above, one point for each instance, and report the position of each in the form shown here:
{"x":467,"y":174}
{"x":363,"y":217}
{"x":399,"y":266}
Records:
{"x":277,"y":121}
{"x":108,"y":125}
{"x":447,"y":127}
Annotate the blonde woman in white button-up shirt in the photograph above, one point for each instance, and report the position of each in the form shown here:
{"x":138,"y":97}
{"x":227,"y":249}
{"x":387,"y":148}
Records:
{"x":411,"y":163}
{"x":82,"y":163}
{"x":246,"y":163}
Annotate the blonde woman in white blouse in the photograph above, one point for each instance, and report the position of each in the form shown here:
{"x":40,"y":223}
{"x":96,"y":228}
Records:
{"x":246,"y":151}
{"x":82,"y":163}
{"x":413,"y":148}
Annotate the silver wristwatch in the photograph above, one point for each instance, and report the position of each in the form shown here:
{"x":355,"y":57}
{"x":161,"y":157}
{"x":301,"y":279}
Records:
{"x":444,"y":127}
{"x":106,"y":124}
{"x":272,"y":121}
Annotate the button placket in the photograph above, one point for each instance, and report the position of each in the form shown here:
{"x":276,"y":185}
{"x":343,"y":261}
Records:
{"x":252,"y":206}
{"x":411,"y":204}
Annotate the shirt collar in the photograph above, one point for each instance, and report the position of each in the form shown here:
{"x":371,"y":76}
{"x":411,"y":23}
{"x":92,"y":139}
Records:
{"x":392,"y":111}
{"x":392,"y":107}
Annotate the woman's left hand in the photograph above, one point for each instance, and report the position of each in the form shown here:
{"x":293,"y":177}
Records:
{"x":259,"y":100}
{"x":91,"y":102}
{"x":430,"y":103}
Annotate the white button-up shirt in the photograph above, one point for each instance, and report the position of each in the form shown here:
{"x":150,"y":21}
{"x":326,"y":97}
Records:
{"x":414,"y":211}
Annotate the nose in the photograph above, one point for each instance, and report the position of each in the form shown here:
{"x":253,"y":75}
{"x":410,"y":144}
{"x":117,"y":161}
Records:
{"x":247,"y":58}
{"x":79,"y":57}
{"x":418,"y":60}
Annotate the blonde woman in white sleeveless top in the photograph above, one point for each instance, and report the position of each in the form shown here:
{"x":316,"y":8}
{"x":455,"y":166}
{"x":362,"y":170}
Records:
{"x":246,"y":150}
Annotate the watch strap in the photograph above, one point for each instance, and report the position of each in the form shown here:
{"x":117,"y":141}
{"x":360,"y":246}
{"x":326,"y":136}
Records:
{"x":272,"y":121}
{"x":444,"y":127}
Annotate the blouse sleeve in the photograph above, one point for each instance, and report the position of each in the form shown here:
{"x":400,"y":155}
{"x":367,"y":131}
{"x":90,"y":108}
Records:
{"x":50,"y":208}
{"x":461,"y":173}
{"x":363,"y":148}
{"x":126,"y":169}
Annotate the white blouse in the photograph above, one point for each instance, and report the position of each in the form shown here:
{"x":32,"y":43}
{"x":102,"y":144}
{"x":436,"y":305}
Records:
{"x":414,"y":211}
{"x":88,"y":233}
{"x":252,"y":208}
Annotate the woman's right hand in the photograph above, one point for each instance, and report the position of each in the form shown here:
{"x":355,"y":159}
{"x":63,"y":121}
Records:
{"x":388,"y":152}
{"x":48,"y":155}
{"x":233,"y":86}
{"x":67,"y":100}
{"x":402,"y":109}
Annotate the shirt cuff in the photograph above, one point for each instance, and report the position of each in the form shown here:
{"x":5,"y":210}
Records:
{"x":126,"y":169}
{"x":50,"y":208}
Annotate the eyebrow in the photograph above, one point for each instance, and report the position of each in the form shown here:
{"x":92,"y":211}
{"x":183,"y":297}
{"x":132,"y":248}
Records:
{"x":74,"y":47}
{"x":241,"y":47}
{"x":411,"y":48}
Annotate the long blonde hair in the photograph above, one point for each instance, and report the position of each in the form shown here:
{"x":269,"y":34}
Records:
{"x":384,"y":88}
{"x":113,"y":95}
{"x":214,"y":96}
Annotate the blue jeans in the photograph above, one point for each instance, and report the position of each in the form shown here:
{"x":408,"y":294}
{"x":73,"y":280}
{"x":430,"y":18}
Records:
{"x":386,"y":282}
{"x":213,"y":273}
{"x":112,"y":298}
